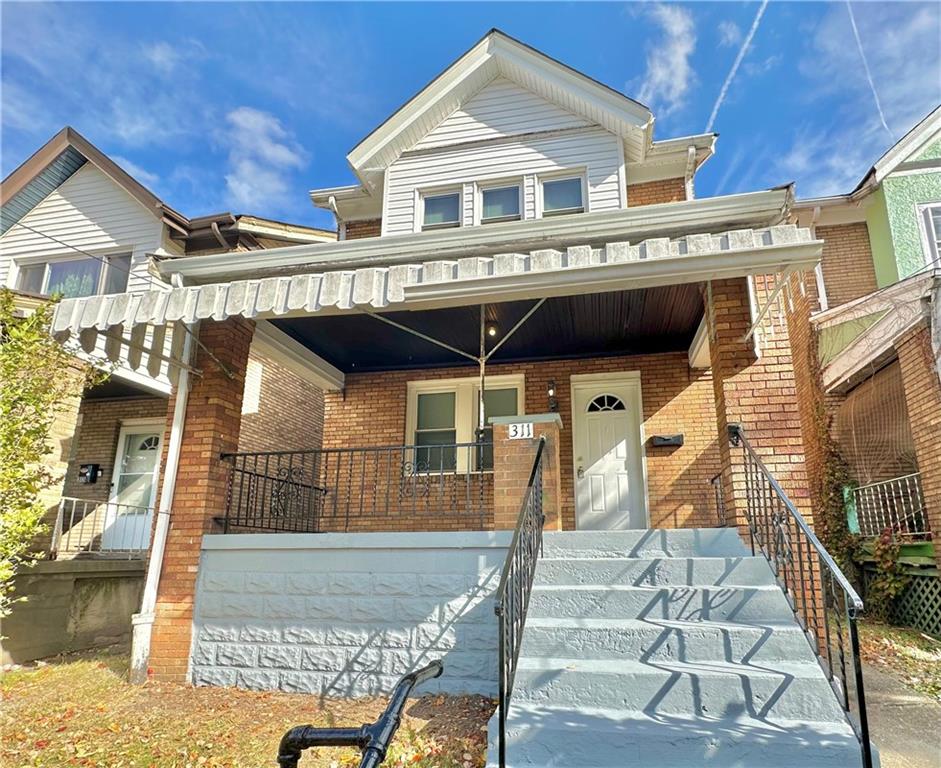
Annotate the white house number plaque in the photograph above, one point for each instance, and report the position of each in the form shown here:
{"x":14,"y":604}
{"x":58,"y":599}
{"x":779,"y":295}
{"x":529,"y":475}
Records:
{"x":520,"y":431}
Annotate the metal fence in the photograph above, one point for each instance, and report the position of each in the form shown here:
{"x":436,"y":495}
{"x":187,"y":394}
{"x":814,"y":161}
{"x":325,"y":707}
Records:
{"x":442,"y":487}
{"x":824,"y":602}
{"x":100,"y":528}
{"x":897,"y":504}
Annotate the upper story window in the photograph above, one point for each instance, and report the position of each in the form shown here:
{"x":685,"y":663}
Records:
{"x":73,"y":278}
{"x":932,"y":223}
{"x":500,"y":203}
{"x":441,"y":211}
{"x":560,"y":196}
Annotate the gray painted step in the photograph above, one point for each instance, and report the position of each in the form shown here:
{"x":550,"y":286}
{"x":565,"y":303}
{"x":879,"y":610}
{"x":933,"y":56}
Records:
{"x":657,"y":571}
{"x":682,"y":542}
{"x":591,"y":738}
{"x":664,"y":640}
{"x":739,"y":604}
{"x":715,"y":689}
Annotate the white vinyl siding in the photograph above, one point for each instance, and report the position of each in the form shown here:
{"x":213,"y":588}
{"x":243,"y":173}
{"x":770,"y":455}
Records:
{"x":591,"y":151}
{"x":501,"y":108}
{"x":91,"y":212}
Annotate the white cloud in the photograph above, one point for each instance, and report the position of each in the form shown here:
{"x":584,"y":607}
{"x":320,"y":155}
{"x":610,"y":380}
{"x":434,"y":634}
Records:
{"x":903,"y":49}
{"x":142,"y":175}
{"x":669,"y":75}
{"x":262,"y":154}
{"x":729,"y":34}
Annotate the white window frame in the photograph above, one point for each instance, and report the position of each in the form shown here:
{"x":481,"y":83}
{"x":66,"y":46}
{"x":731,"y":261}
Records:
{"x":466,"y":392}
{"x":572,"y":173}
{"x":930,"y":239}
{"x":498,"y":184}
{"x":438,"y":192}
{"x":104,"y":256}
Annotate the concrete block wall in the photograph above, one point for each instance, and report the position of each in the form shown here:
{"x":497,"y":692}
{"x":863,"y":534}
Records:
{"x":347,"y":614}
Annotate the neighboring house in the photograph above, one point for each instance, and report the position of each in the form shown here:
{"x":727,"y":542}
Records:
{"x":529,"y":319}
{"x":75,"y":224}
{"x":878,"y":323}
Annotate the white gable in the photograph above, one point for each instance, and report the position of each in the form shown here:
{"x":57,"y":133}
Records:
{"x":91,"y":212}
{"x":501,"y":108}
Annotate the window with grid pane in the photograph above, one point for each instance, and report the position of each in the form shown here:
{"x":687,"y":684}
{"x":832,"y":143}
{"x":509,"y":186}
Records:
{"x":435,"y":431}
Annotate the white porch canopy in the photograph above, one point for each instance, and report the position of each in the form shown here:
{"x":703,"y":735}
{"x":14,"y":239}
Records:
{"x":134,"y":322}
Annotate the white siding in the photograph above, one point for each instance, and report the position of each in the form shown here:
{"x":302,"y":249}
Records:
{"x":502,"y":108}
{"x":593,"y":150}
{"x":91,"y":212}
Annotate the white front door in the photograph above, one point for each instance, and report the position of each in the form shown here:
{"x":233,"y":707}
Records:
{"x":608,"y":452}
{"x":133,"y":488}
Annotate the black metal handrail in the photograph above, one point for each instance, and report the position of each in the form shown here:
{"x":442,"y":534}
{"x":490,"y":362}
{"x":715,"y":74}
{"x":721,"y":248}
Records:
{"x":372,"y":739}
{"x":339,"y":489}
{"x":815,"y":586}
{"x":516,"y":582}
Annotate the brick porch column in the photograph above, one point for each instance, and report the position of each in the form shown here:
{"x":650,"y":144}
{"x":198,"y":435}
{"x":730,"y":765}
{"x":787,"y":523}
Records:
{"x":760,"y":394}
{"x":923,"y":401}
{"x":513,"y":463}
{"x":213,"y":417}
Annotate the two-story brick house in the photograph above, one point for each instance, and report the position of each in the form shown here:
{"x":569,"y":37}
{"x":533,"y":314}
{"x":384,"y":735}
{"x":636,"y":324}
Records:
{"x":529,"y":320}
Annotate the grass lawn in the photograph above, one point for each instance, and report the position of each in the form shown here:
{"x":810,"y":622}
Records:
{"x":79,"y":710}
{"x":910,"y":655}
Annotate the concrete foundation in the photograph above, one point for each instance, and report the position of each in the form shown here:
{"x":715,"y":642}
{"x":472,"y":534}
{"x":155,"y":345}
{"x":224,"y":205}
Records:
{"x":71,"y":605}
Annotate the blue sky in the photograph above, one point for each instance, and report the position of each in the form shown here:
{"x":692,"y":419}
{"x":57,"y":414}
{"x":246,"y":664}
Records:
{"x":245,"y":107}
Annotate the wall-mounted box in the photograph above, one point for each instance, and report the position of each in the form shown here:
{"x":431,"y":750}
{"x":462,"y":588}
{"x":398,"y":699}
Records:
{"x":667,"y":441}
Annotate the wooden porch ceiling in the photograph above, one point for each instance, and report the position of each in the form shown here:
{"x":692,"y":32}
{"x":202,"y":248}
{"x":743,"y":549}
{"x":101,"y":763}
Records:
{"x":639,"y":321}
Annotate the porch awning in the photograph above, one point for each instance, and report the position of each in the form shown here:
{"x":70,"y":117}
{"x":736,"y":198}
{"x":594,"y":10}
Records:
{"x":547,"y":272}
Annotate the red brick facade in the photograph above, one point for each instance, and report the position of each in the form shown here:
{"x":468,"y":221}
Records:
{"x":213,"y":415}
{"x":923,"y":398}
{"x":651,"y":192}
{"x":848,"y":270}
{"x":513,"y":462}
{"x":372,"y":411}
{"x":354,"y":230}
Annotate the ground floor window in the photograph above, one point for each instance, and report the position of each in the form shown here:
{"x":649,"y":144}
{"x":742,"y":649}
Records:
{"x":442,"y":413}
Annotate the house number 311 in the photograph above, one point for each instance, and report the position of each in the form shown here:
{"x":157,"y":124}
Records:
{"x":520,"y":431}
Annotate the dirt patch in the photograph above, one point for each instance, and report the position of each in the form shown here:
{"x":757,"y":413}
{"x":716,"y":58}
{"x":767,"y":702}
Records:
{"x":80,"y":710}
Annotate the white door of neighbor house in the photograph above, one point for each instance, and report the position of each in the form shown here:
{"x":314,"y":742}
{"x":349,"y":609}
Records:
{"x":610,"y":492}
{"x":133,"y":488}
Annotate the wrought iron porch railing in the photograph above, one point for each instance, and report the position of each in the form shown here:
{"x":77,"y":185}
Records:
{"x":823,"y":600}
{"x":897,"y":504}
{"x":100,"y":528}
{"x":349,"y":489}
{"x":717,"y":491}
{"x":516,"y":582}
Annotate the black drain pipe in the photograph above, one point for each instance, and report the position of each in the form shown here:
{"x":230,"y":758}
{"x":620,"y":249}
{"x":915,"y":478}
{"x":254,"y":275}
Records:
{"x":372,"y":739}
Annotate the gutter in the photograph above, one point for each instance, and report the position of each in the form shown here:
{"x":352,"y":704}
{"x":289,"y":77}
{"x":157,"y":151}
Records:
{"x":707,"y":215}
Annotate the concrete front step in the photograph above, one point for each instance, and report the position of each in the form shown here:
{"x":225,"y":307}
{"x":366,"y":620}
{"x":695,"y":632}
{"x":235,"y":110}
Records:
{"x":711,"y":689}
{"x":750,"y":605}
{"x":664,"y":640}
{"x":656,"y":571}
{"x":593,"y":738}
{"x":682,"y":542}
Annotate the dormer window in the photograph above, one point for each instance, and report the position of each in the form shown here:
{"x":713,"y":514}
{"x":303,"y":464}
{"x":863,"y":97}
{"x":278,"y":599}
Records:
{"x":441,"y":211}
{"x":500,"y":203}
{"x":561,"y":196}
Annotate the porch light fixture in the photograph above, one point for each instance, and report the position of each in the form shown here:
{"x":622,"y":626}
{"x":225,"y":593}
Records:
{"x":550,"y":393}
{"x":492,"y":329}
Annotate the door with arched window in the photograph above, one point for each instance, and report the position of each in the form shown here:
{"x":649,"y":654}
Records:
{"x":608,"y":452}
{"x":133,"y":488}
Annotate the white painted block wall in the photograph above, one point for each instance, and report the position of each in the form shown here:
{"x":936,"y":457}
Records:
{"x":347,"y":614}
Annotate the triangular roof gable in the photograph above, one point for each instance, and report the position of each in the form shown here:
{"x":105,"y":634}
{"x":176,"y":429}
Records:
{"x":499,"y":55}
{"x":55,"y":162}
{"x":906,"y":149}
